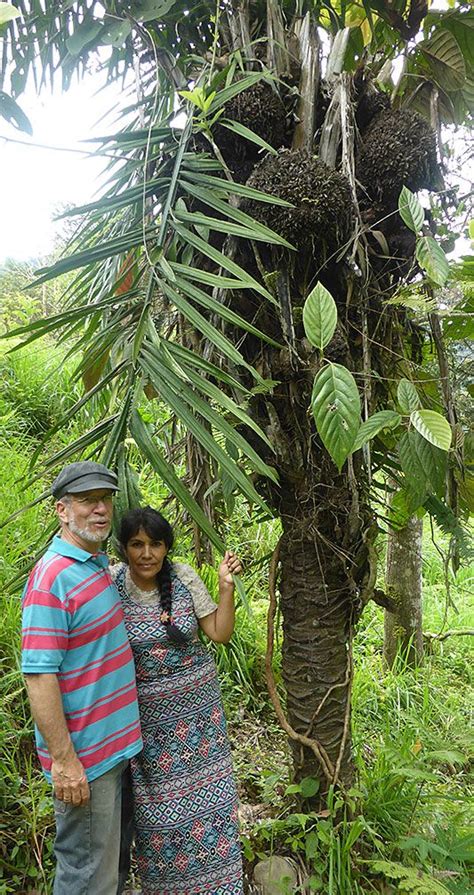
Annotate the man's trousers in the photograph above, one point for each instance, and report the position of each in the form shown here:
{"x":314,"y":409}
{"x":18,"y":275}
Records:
{"x":88,"y":839}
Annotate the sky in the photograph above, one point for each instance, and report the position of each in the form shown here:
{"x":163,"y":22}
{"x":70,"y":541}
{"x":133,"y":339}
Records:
{"x":34,"y":181}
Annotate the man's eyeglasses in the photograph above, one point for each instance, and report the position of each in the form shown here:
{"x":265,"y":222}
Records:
{"x":89,"y":500}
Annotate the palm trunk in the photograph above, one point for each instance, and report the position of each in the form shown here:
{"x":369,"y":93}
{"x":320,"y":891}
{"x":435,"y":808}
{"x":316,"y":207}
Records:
{"x":403,"y":629}
{"x":317,"y":610}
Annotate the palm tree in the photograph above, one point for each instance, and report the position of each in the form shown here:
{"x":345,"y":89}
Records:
{"x":237,"y":269}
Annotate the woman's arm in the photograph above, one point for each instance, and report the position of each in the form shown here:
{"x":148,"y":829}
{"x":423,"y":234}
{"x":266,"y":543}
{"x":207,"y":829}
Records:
{"x":219,"y":625}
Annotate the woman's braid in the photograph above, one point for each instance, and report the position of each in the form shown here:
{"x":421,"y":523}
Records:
{"x":164,"y":583}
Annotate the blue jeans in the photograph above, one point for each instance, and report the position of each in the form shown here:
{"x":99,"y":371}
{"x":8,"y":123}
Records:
{"x":88,"y":839}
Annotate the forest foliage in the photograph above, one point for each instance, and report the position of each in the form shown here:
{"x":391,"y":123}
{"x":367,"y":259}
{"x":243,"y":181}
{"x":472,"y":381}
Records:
{"x":259,"y":318}
{"x":407,"y":820}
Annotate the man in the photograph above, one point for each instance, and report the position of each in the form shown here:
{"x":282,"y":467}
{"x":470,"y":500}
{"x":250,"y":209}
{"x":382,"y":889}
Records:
{"x":80,"y":678}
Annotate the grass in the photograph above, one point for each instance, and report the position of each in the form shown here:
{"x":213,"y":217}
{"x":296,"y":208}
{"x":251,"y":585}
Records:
{"x":405,"y":828}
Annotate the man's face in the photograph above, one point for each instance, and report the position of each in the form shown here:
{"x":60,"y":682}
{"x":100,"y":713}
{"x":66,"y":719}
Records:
{"x":86,"y":517}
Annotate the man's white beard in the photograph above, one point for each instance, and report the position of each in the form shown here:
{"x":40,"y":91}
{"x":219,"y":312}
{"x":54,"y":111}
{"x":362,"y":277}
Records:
{"x":87,"y":535}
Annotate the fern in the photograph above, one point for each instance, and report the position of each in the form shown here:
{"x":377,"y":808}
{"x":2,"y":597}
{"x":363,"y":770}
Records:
{"x":450,"y":525}
{"x":415,"y":298}
{"x":410,"y":879}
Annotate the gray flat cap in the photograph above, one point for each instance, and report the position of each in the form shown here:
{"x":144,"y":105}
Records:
{"x":83,"y":476}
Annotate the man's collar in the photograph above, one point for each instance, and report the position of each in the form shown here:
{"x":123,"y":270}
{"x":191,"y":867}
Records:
{"x":65,"y":548}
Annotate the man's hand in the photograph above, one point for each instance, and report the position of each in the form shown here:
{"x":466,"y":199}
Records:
{"x":68,"y":775}
{"x":69,"y":779}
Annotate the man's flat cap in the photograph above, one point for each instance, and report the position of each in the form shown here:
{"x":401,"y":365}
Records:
{"x":83,"y":476}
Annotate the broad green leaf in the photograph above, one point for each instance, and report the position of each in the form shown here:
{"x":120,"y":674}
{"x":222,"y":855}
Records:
{"x":432,"y":259}
{"x":384,"y":419}
{"x":311,"y":844}
{"x":401,"y":508}
{"x":355,"y":16}
{"x":152,"y":453}
{"x":8,"y":12}
{"x":148,"y":10}
{"x":336,"y":408}
{"x":410,"y":210}
{"x":433,"y":461}
{"x":245,"y":132}
{"x":309,"y":786}
{"x":11,"y":112}
{"x":116,"y":33}
{"x":416,"y":483}
{"x":84,"y":34}
{"x":432,"y":426}
{"x":462,"y":26}
{"x":407,"y":396}
{"x":446,"y":60}
{"x":319,"y":316}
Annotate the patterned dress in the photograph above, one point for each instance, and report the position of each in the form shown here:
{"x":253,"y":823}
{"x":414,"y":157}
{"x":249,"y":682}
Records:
{"x":186,"y":823}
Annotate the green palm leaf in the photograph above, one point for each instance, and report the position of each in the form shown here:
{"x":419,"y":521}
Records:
{"x":157,"y":461}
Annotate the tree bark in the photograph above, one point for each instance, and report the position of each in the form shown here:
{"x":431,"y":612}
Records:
{"x":403,"y":629}
{"x":316,"y":609}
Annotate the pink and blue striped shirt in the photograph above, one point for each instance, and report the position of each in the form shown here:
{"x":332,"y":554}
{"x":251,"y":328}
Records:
{"x":73,"y":627}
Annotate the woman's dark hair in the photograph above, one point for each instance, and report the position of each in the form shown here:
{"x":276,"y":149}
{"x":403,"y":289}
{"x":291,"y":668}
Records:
{"x":158,"y":529}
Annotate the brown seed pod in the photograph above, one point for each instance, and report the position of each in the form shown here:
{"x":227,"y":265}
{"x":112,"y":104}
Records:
{"x":261,"y":109}
{"x":321,"y":220}
{"x":370,"y":105}
{"x":399,"y":149}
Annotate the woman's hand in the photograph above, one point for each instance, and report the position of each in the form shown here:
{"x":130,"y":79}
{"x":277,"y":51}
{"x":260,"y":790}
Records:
{"x":229,"y":566}
{"x":219,"y":625}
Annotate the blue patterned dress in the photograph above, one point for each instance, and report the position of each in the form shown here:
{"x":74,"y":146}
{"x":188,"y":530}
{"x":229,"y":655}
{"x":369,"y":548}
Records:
{"x":186,"y":823}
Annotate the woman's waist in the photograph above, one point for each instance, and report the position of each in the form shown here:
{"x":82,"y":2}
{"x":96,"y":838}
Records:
{"x":199,"y":670}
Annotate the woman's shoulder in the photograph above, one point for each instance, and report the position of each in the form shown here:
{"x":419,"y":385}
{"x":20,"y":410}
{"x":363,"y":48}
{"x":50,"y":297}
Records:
{"x":185,"y":572}
{"x":202,"y":600}
{"x":115,"y":568}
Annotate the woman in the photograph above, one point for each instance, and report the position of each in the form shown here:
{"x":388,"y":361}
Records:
{"x":185,"y":801}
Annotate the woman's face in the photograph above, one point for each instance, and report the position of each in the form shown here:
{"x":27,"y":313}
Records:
{"x":145,"y":559}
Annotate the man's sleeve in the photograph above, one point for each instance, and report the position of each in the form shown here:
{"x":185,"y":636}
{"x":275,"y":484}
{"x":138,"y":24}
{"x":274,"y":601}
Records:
{"x":45,"y":627}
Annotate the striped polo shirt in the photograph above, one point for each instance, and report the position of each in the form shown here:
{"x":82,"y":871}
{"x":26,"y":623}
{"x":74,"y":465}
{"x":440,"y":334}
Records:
{"x":73,"y":627}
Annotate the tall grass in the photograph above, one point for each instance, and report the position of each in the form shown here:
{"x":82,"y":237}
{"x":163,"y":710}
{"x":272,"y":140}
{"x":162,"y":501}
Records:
{"x":25,"y":807}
